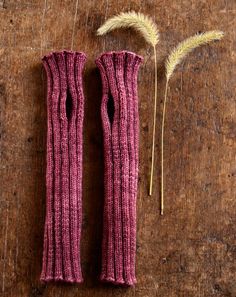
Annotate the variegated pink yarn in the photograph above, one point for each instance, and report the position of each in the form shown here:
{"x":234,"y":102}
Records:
{"x":119,"y":71}
{"x":65,"y":111}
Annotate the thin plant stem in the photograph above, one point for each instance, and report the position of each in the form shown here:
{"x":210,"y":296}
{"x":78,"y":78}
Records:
{"x":154,"y":123}
{"x":162,"y":149}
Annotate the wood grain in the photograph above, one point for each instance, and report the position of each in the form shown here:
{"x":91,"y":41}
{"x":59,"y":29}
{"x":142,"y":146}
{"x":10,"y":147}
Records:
{"x":191,"y":250}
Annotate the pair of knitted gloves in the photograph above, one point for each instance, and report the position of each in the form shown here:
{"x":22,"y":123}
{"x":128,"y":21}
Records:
{"x":65,"y":114}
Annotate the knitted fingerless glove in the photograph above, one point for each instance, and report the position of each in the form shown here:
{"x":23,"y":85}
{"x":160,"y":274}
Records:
{"x":119,"y":111}
{"x":65,"y":111}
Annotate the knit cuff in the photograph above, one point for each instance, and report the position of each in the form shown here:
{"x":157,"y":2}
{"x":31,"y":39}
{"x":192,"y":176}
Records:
{"x":65,"y":113}
{"x":119,"y":111}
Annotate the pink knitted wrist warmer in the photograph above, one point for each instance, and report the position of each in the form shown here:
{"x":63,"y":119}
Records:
{"x":65,"y":111}
{"x":119,"y":71}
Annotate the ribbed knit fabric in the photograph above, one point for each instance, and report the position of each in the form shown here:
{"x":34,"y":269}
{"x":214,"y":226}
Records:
{"x":65,"y":112}
{"x":119,"y":71}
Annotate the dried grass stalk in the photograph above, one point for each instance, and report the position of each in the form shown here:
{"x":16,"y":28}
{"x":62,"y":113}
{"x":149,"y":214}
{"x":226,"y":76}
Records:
{"x":186,"y":46}
{"x":175,"y":57}
{"x":148,"y":29}
{"x":140,"y":22}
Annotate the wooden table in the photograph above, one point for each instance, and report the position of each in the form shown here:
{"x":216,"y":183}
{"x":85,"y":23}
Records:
{"x":191,"y":250}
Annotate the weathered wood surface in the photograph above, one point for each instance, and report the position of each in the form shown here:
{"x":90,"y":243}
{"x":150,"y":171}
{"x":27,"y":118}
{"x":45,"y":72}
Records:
{"x":191,"y":250}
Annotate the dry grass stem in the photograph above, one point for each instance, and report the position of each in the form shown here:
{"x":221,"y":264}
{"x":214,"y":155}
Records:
{"x":175,"y":57}
{"x":148,"y":29}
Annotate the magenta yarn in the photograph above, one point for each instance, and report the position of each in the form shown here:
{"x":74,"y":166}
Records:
{"x":119,"y":71}
{"x":65,"y":114}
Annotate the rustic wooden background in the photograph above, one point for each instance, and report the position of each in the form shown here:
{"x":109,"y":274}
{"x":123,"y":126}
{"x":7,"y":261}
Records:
{"x":191,"y":250}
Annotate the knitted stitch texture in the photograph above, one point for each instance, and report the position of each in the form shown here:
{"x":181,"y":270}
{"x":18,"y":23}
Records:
{"x":119,"y":71}
{"x":65,"y":113}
